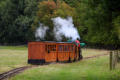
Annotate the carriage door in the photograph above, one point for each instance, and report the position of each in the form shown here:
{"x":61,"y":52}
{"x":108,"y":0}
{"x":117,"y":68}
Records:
{"x":51,"y":53}
{"x":63,"y":52}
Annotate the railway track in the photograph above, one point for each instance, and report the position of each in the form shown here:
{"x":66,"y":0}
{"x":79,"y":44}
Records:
{"x":95,"y":56}
{"x":13,"y":72}
{"x":16,"y":71}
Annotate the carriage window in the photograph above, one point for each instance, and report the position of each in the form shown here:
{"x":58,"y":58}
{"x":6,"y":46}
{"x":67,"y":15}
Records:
{"x":65,"y":48}
{"x":60,"y":48}
{"x":50,"y":47}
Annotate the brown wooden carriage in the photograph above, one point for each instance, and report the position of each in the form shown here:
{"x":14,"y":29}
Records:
{"x":45,"y":52}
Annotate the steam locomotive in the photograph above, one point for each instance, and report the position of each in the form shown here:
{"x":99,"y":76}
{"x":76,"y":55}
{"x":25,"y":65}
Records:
{"x":47,"y":52}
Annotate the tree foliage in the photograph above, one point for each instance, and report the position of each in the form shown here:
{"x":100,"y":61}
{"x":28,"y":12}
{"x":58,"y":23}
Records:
{"x":98,"y":21}
{"x":95,"y":19}
{"x":48,"y":10}
{"x":16,"y":17}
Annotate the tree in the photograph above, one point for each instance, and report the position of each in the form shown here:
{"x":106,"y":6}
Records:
{"x":16,"y":18}
{"x":116,"y":23}
{"x":96,"y":22}
{"x":48,"y":10}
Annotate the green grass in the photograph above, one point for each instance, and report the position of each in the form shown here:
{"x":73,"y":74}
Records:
{"x":12,"y":57}
{"x":14,"y":47}
{"x":92,"y":69}
{"x":91,"y":52}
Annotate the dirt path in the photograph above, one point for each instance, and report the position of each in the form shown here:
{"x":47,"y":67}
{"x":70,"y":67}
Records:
{"x":11,"y":73}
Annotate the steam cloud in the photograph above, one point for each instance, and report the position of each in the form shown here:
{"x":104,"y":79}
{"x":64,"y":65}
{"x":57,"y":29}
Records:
{"x":41,"y":32}
{"x":62,"y":27}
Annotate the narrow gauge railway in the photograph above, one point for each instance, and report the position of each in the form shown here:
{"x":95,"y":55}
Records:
{"x":44,"y":53}
{"x":13,"y":72}
{"x":16,"y":71}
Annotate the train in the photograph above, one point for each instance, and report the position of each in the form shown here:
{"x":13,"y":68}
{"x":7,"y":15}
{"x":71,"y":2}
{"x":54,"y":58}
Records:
{"x":49,"y":51}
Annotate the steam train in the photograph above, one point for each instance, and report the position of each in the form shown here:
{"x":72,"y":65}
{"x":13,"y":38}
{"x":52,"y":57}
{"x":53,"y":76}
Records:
{"x":47,"y":52}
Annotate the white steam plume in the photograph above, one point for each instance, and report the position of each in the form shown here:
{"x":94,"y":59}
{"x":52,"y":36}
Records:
{"x":64,"y":27}
{"x":41,"y":32}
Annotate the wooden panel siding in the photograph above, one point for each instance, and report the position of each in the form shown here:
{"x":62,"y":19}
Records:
{"x":52,"y":51}
{"x":36,"y":50}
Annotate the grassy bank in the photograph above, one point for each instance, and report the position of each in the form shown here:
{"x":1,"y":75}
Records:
{"x":92,"y":69}
{"x":12,"y":57}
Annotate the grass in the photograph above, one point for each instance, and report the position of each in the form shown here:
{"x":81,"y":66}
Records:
{"x":91,"y":52}
{"x":91,"y":69}
{"x":14,"y":47}
{"x":12,"y":57}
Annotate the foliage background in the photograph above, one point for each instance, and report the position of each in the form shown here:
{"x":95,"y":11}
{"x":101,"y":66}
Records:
{"x":98,"y":21}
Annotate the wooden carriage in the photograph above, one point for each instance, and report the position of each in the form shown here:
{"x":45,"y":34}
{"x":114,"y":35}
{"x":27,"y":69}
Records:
{"x":45,"y":52}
